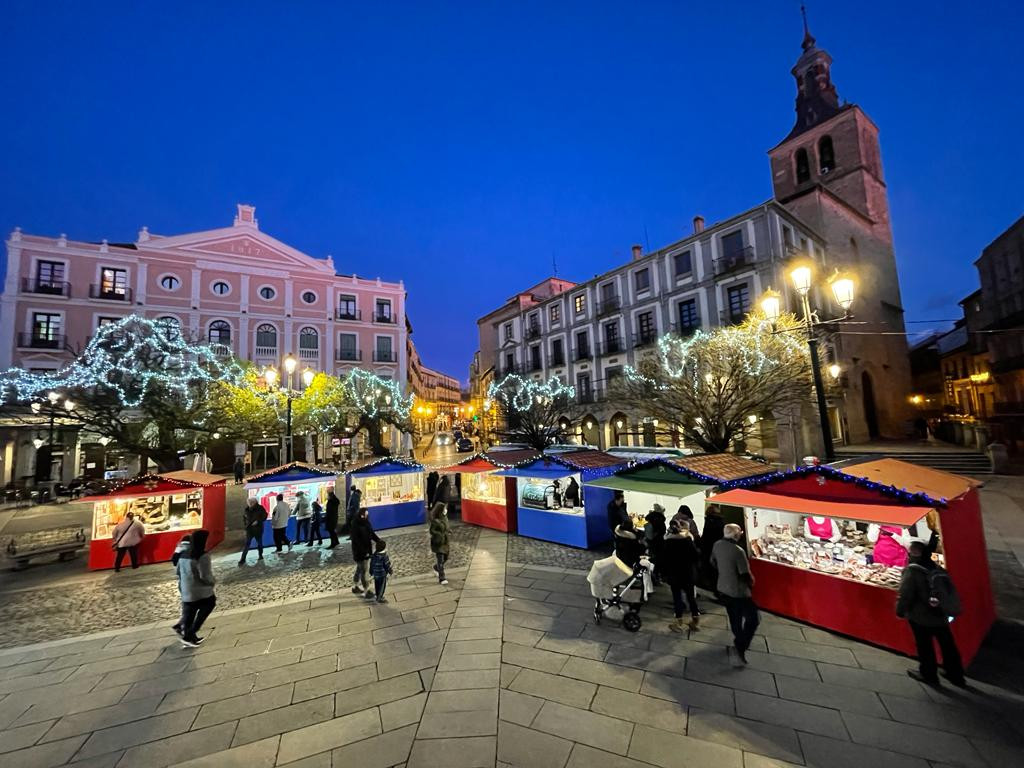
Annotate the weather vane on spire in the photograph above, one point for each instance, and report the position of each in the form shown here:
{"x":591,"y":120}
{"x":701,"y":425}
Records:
{"x":808,"y":37}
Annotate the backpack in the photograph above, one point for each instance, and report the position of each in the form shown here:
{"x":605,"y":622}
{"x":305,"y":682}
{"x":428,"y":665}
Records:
{"x":942,"y":595}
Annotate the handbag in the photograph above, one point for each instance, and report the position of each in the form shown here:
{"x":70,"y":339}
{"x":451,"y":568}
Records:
{"x":114,"y":545}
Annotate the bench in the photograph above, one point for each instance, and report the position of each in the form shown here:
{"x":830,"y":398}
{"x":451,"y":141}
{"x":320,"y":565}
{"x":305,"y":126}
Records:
{"x":64,"y":542}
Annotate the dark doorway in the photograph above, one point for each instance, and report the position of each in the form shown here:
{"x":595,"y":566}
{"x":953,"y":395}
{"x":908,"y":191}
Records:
{"x":870,"y":413}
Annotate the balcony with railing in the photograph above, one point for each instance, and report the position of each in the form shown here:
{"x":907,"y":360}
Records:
{"x":645,"y":338}
{"x":384,"y":356}
{"x":735,"y":260}
{"x":532,"y":332}
{"x":557,"y":359}
{"x":37,"y":340}
{"x":385,"y":319}
{"x":348,"y":355}
{"x":45,"y":287}
{"x":612,"y":347}
{"x":536,"y":365}
{"x":221,"y":350}
{"x":592,"y":394}
{"x":264,"y":352}
{"x":685,"y":330}
{"x":582,"y":353}
{"x":106,"y":293}
{"x":344,"y":313}
{"x":309,"y":353}
{"x":506,"y":369}
{"x":610,"y":305}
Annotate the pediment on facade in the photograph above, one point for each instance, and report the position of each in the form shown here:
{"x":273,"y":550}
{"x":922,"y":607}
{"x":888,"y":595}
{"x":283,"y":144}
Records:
{"x":248,"y":244}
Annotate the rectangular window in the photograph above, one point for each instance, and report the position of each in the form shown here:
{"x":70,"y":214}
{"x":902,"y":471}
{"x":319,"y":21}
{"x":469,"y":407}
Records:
{"x":732,"y":245}
{"x":50,"y":276}
{"x":535,"y":357}
{"x":510,"y":362}
{"x":787,"y":237}
{"x":106,"y":321}
{"x":584,"y":391}
{"x":689,"y":317}
{"x":384,"y":352}
{"x":383,"y":311}
{"x":46,"y":327}
{"x":557,"y":353}
{"x":608,"y":292}
{"x":643,"y":280}
{"x":347,"y":347}
{"x":113,"y":282}
{"x":582,"y":346}
{"x":611,"y":374}
{"x":555,"y":313}
{"x":612,"y":342}
{"x":346,"y":307}
{"x":508,"y":331}
{"x":579,"y":304}
{"x":739,"y":303}
{"x":683,"y":264}
{"x":645,"y":327}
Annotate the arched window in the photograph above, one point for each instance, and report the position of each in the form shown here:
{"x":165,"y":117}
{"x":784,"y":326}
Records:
{"x":220,"y":332}
{"x":266,"y":336}
{"x":803,"y":166}
{"x":309,"y":339}
{"x":171,"y":326}
{"x":826,"y":155}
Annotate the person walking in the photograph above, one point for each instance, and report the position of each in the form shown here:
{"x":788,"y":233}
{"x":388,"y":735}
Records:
{"x":617,"y":514}
{"x":331,"y":517}
{"x":714,"y":526}
{"x":185,"y":545}
{"x":196,"y":582}
{"x":279,"y":521}
{"x":128,"y":534}
{"x":315,"y":522}
{"x":928,"y":601}
{"x":679,"y":561}
{"x":252,"y":521}
{"x":355,"y":502}
{"x":303,"y":512}
{"x":363,"y":537}
{"x":439,"y":538}
{"x":735,"y":584}
{"x":239,"y":470}
{"x":380,"y":569}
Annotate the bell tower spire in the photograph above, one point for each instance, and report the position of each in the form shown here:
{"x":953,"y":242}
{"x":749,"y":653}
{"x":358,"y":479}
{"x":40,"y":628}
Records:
{"x":808,"y":37}
{"x":816,"y":97}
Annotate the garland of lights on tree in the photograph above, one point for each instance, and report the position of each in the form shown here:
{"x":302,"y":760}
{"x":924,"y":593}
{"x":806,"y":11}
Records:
{"x":375,"y":395}
{"x":119,"y":358}
{"x":518,"y":393}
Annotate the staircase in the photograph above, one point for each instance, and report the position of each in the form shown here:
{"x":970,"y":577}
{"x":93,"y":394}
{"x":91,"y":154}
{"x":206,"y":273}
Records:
{"x":959,"y":462}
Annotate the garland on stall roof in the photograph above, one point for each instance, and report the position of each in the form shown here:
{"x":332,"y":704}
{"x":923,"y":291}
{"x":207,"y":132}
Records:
{"x":693,"y":474}
{"x":150,"y":480}
{"x":836,"y":474}
{"x":413,"y":465}
{"x":287,"y":467}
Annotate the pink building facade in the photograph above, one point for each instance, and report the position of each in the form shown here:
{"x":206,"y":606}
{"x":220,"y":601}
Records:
{"x":237,"y":287}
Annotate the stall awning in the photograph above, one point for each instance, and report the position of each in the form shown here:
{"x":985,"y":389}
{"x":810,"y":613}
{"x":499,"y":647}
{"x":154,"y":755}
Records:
{"x":868,"y":513}
{"x":286,"y":474}
{"x":475,"y":464}
{"x":194,"y":476}
{"x":392,"y":466}
{"x":627,"y":483}
{"x":913,"y":478}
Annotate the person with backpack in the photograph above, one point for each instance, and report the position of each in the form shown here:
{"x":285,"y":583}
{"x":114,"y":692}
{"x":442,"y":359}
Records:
{"x":439,"y":535}
{"x":929,"y":601}
{"x":363,"y":538}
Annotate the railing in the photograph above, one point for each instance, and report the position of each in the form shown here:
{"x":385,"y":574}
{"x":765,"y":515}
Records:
{"x":32,"y":340}
{"x":557,"y":360}
{"x":582,"y":354}
{"x":221,"y":350}
{"x":612,"y":347}
{"x":309,"y":354}
{"x":266,"y":351}
{"x":535,"y":365}
{"x":385,"y":319}
{"x":645,"y":338}
{"x":608,"y":306}
{"x":341,"y":313}
{"x":734,"y":260}
{"x":532,"y":332}
{"x":587,"y":396}
{"x":384,"y":356}
{"x":45,"y":287}
{"x":507,"y":369}
{"x":107,"y":294}
{"x":348,"y":354}
{"x":685,"y":330}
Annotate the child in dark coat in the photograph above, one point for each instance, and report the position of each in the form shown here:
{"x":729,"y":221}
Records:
{"x":380,"y":569}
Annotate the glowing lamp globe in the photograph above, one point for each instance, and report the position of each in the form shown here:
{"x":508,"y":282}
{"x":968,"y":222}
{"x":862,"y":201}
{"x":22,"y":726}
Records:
{"x":307,"y":376}
{"x":834,"y":370}
{"x":270,"y":375}
{"x":771,"y":305}
{"x":801,"y":277}
{"x":289,"y":364}
{"x":842,"y":291}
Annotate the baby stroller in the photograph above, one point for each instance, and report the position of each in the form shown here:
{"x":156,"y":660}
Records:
{"x":617,"y":587}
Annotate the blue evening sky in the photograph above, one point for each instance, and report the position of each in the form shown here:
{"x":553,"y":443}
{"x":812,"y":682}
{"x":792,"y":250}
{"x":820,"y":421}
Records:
{"x":461,"y":146}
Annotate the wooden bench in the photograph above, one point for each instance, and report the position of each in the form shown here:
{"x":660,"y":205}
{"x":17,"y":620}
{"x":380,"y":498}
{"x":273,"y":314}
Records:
{"x":64,"y":542}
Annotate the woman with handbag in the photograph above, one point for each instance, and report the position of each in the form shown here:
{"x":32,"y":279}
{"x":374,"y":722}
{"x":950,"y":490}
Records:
{"x":128,"y":534}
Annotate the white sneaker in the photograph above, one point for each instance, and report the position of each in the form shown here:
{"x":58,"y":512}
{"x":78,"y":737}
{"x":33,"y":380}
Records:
{"x":444,"y":581}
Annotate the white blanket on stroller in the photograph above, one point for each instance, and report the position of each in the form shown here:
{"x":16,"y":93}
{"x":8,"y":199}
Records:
{"x":605,"y":574}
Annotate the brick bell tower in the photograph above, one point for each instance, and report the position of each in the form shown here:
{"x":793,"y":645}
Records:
{"x":828,"y":172}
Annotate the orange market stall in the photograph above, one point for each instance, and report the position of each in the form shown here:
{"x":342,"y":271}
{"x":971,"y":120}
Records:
{"x":828,"y":546}
{"x":169,"y":505}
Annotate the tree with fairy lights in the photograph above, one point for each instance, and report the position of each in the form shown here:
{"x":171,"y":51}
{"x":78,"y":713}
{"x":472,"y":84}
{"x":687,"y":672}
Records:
{"x":246,"y":409}
{"x":538,"y":413}
{"x":713,"y":386}
{"x":375,"y":403}
{"x":138,"y":382}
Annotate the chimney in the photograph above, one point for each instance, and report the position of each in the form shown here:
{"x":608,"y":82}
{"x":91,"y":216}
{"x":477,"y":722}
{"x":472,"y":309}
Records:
{"x":638,"y":252}
{"x":698,"y":224}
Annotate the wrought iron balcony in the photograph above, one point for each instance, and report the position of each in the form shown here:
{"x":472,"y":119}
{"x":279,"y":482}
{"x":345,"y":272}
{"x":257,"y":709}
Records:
{"x":108,"y":293}
{"x":609,"y":306}
{"x":735,"y":260}
{"x":36,"y":340}
{"x":45,"y":287}
{"x":582,"y":353}
{"x":612,"y":347}
{"x":385,"y":319}
{"x":645,"y":338}
{"x":532,"y":332}
{"x":344,"y":313}
{"x":384,"y":356}
{"x":343,"y":355}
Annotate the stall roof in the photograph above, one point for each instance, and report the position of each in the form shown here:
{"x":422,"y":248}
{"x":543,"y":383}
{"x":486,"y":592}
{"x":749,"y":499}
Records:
{"x":913,"y":478}
{"x":511,"y":458}
{"x":475,"y":463}
{"x":389,"y":465}
{"x":295,"y":472}
{"x":680,"y":488}
{"x":590,"y":464}
{"x":826,"y":483}
{"x":868,"y":513}
{"x":723,"y":466}
{"x":193,"y":476}
{"x":147,"y":485}
{"x":591,"y":459}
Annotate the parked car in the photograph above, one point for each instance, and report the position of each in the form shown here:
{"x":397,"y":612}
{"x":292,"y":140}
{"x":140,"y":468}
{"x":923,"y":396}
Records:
{"x":464,"y":445}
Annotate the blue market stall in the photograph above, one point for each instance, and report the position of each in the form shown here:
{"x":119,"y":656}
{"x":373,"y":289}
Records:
{"x":553,"y":504}
{"x":392,"y":492}
{"x":288,"y":480}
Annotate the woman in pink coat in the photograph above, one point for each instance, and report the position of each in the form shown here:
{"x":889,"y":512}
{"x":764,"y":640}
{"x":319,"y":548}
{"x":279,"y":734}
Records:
{"x":128,"y":534}
{"x":889,"y":547}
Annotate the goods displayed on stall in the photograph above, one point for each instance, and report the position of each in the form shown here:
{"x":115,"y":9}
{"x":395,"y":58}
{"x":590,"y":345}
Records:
{"x":828,"y":546}
{"x":392,"y":491}
{"x":288,"y":480}
{"x":489,"y":499}
{"x":168,"y":505}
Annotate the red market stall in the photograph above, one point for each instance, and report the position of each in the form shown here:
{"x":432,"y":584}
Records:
{"x":828,"y":546}
{"x":488,"y":499}
{"x":169,"y":505}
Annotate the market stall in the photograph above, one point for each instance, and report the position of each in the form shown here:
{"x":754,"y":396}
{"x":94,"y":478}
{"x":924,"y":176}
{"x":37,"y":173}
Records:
{"x":288,"y":480}
{"x":488,"y":499}
{"x":392,"y":491}
{"x":828,"y":546}
{"x":169,"y":506}
{"x":553,"y":505}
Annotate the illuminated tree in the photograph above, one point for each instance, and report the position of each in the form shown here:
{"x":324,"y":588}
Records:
{"x":137,"y":382}
{"x":246,"y":409}
{"x":536,"y":413}
{"x":376,"y":402}
{"x":709,"y":385}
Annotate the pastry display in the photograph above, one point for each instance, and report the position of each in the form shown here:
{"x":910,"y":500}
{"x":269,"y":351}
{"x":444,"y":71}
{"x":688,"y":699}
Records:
{"x":487,"y":488}
{"x":157,"y":513}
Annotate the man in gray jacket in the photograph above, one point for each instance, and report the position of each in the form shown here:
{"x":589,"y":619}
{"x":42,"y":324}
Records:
{"x":195,"y":579}
{"x":735,"y":582}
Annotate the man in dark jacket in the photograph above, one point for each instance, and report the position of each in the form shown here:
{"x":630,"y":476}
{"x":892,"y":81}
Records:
{"x":355,"y":501}
{"x":928,"y":623}
{"x":253,"y":519}
{"x":617,"y":514}
{"x":362,"y":536}
{"x":331,"y":517}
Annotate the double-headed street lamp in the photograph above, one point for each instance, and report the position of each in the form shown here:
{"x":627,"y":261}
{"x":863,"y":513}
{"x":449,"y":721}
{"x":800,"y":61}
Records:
{"x":271,"y":376}
{"x":52,"y":398}
{"x":842,"y":291}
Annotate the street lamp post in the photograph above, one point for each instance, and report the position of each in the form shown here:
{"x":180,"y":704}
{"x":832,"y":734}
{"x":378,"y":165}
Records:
{"x":842,"y":290}
{"x":271,"y":376}
{"x":53,"y":398}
